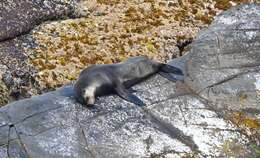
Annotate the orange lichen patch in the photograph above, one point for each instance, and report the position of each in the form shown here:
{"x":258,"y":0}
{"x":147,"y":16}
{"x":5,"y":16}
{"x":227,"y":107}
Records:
{"x":242,"y":97}
{"x":108,"y":2}
{"x":242,"y":120}
{"x":226,"y":4}
{"x":144,"y":18}
{"x":201,"y":10}
{"x":223,"y":4}
{"x":248,"y":125}
{"x":206,"y":18}
{"x":3,"y":93}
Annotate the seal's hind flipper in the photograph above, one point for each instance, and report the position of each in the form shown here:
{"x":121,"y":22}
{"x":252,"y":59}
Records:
{"x":125,"y":94}
{"x":171,"y":77}
{"x":168,"y":76}
{"x":171,"y":69}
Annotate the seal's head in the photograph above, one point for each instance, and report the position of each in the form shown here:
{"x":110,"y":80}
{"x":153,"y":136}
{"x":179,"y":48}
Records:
{"x":84,"y":93}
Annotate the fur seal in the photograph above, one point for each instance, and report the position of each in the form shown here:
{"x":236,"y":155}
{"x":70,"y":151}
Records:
{"x":99,"y":80}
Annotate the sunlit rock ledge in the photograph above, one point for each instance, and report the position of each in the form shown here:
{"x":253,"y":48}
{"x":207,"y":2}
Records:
{"x":214,"y":113}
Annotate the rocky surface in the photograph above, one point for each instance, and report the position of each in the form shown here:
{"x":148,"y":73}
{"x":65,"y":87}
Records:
{"x":17,"y":18}
{"x":173,"y":124}
{"x":17,"y":75}
{"x":213,"y":114}
{"x":224,"y":64}
{"x":44,"y":46}
{"x":115,"y":30}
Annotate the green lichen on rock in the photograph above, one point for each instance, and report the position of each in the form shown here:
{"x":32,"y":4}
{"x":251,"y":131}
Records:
{"x":232,"y":148}
{"x":256,"y":149}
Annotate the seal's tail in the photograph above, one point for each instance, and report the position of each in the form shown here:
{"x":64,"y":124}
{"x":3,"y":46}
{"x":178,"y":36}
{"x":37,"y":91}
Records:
{"x":169,"y":72}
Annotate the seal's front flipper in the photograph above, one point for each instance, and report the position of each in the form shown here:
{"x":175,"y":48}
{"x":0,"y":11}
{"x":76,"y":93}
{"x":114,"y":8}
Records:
{"x":125,"y":94}
{"x":171,"y":77}
{"x":171,"y":69}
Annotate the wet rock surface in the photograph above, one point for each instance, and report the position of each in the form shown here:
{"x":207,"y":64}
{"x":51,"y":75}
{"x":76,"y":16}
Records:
{"x":213,"y":114}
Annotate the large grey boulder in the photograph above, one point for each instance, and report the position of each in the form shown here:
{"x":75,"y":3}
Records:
{"x":180,"y":119}
{"x":18,"y":17}
{"x":175,"y":123}
{"x":224,"y":64}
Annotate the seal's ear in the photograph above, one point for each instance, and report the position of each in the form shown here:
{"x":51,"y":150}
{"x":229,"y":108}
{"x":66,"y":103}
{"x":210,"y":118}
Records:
{"x":171,"y":69}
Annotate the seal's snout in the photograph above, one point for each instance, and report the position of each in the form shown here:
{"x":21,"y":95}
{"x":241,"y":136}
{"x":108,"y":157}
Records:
{"x":88,"y":95}
{"x":85,"y":99}
{"x":90,"y":100}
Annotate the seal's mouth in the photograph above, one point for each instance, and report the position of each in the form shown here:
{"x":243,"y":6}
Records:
{"x":90,"y":100}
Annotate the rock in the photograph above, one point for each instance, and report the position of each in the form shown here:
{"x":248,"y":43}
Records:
{"x":3,"y":93}
{"x":224,"y":64}
{"x":180,"y":119}
{"x":175,"y":123}
{"x":17,"y":18}
{"x":53,"y":53}
{"x":16,"y":74}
